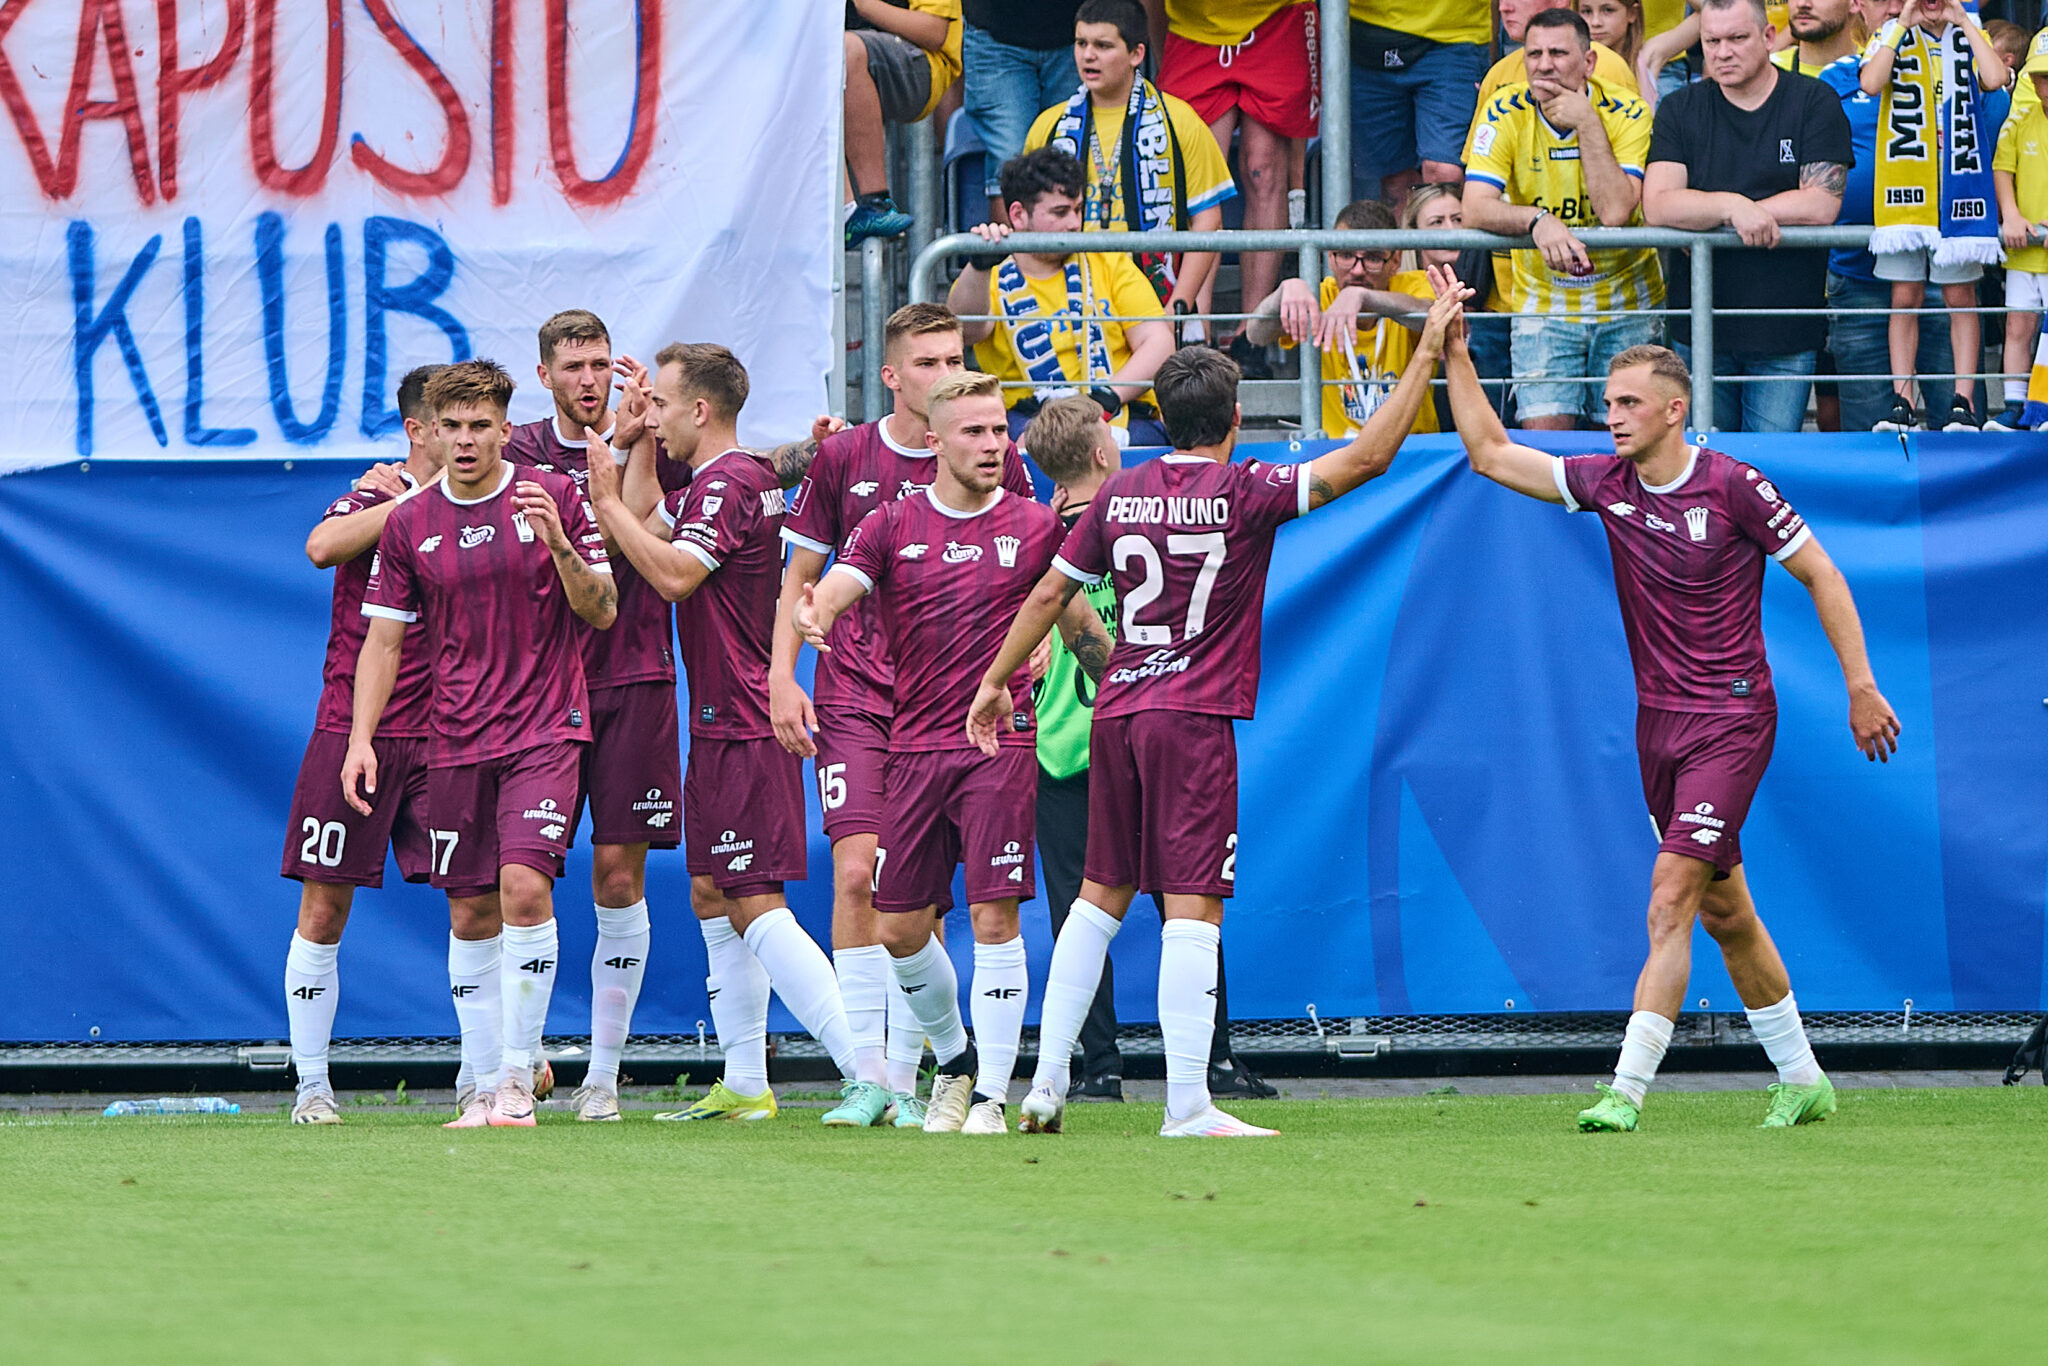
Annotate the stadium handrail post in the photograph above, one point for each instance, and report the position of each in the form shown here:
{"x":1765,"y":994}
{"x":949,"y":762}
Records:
{"x":874,"y":320}
{"x":1334,"y":125}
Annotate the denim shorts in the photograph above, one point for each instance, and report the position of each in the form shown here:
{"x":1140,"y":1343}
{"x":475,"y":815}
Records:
{"x":1548,"y":351}
{"x":1418,"y":113}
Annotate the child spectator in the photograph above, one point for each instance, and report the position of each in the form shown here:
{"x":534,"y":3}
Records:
{"x":1616,"y":25}
{"x":900,"y":57}
{"x":2020,"y":168}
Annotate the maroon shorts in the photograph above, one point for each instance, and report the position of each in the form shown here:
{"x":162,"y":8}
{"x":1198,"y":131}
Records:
{"x":853,"y":753}
{"x":953,"y":806}
{"x":1700,"y":771}
{"x":517,"y":809}
{"x":743,"y":815}
{"x":327,"y":840}
{"x":633,"y":766}
{"x":1274,"y":75}
{"x":1162,"y":803}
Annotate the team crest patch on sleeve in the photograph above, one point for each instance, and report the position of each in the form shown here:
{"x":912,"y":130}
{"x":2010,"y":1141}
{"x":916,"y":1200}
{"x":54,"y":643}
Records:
{"x":1482,"y":140}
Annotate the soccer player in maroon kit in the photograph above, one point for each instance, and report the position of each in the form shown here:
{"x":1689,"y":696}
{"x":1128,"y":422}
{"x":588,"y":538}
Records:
{"x":854,"y":472}
{"x":714,"y":548}
{"x":330,"y":848}
{"x":1689,"y":529}
{"x":948,"y":566}
{"x":1188,"y":537}
{"x":500,"y":562}
{"x":632,"y":767}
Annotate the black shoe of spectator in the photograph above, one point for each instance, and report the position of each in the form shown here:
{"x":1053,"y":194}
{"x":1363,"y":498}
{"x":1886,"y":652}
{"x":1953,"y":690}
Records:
{"x":1900,"y":419}
{"x":1235,"y":1079}
{"x":1108,"y":1087}
{"x":1960,"y":418}
{"x":1250,"y":359}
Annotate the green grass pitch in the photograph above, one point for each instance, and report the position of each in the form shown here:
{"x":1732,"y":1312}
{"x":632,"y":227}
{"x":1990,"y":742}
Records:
{"x":1909,"y":1228}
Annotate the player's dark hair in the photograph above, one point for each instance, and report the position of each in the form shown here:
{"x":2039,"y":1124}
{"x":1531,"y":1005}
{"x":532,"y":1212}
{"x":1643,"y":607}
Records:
{"x":917,"y":320}
{"x":1046,"y":171}
{"x":1560,"y":17}
{"x":469,"y":381}
{"x":1365,"y":215}
{"x":1197,"y":393}
{"x":412,"y":393}
{"x":1063,"y":435}
{"x":1127,"y":15}
{"x":1664,"y":363}
{"x":571,"y":325}
{"x":707,"y":371}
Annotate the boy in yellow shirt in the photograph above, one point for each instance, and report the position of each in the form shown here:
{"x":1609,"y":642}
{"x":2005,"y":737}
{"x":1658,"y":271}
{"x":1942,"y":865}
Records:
{"x":900,"y":58}
{"x":2020,"y":168}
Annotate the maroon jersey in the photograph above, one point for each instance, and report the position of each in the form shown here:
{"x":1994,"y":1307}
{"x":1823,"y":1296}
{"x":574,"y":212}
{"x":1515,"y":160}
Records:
{"x":500,"y":636}
{"x":1188,"y":541}
{"x":1689,"y":568}
{"x":854,"y":472}
{"x":947,"y":585}
{"x":405,"y":715}
{"x":635,"y":649}
{"x":730,"y":518}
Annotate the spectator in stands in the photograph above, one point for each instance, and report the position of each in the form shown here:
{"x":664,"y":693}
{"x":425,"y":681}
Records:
{"x":2021,"y":168}
{"x":1515,"y":16}
{"x":1558,"y":150}
{"x":1754,"y":149}
{"x":1664,"y":63}
{"x":1084,"y":323}
{"x":1414,"y":64}
{"x":1363,"y":320}
{"x":1019,"y":56}
{"x":1917,"y":241}
{"x":1151,"y":163}
{"x":900,"y":57}
{"x":1616,"y":25}
{"x":1249,"y":69}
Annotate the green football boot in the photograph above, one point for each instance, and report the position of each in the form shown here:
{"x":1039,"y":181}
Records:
{"x":862,"y":1105}
{"x":722,"y":1102}
{"x":1613,"y":1113}
{"x":1792,"y":1105}
{"x":909,"y":1111}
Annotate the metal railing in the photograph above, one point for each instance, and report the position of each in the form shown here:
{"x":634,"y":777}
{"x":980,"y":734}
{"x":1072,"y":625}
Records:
{"x":1308,"y":244}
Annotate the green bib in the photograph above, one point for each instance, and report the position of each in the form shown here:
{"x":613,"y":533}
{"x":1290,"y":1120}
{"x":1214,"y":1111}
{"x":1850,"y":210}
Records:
{"x":1065,"y":697}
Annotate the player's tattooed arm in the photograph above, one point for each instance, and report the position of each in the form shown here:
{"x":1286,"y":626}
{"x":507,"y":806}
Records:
{"x":592,"y":595}
{"x":792,"y":459}
{"x":1081,"y":628}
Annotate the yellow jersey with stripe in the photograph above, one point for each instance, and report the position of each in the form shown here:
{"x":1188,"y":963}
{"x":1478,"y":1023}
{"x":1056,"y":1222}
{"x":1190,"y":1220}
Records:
{"x":1381,"y":351}
{"x":1516,"y":150}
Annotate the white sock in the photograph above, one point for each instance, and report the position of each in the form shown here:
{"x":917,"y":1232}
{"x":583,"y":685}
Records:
{"x":1778,"y":1029}
{"x":616,"y":967}
{"x":927,"y":983}
{"x":1077,"y":957}
{"x":529,"y":958}
{"x":739,"y":1006}
{"x":1002,"y":988}
{"x":312,"y":987}
{"x":1642,"y":1048}
{"x":2015,"y":391}
{"x":1188,"y":951}
{"x":864,"y":990}
{"x":906,"y":1037}
{"x":474,"y":974}
{"x":802,"y":977}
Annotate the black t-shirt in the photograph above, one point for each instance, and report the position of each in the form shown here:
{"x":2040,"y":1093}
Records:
{"x":1755,"y":153}
{"x":1038,"y":24}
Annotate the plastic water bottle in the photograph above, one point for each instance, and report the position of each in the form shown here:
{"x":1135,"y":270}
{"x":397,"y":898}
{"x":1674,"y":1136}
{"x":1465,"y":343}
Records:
{"x":173,"y":1105}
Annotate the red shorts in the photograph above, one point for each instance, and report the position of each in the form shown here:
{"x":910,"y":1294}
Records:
{"x":1162,"y":803}
{"x":853,"y":753}
{"x":520,"y":808}
{"x":1274,"y":75}
{"x":1700,"y":772}
{"x":633,"y":766}
{"x":953,"y":806}
{"x":326,"y":840}
{"x":743,"y":815}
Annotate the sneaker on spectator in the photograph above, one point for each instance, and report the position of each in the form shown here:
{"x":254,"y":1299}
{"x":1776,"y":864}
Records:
{"x":1960,"y":418}
{"x":1251,"y":360}
{"x":876,"y":215}
{"x":1900,"y":419}
{"x":2007,"y":421}
{"x":1107,"y":1086}
{"x":1233,"y":1078}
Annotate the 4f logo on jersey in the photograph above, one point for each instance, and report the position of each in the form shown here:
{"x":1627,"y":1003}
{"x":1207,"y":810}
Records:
{"x":740,"y":863}
{"x":956,"y":553}
{"x":430,"y":545}
{"x":622,"y":964}
{"x":1004,"y":993}
{"x":474,"y":536}
{"x":863,"y":489}
{"x":539,"y":967}
{"x":1622,"y":509}
{"x":309,"y":993}
{"x":660,"y":819}
{"x":915,"y":550}
{"x":462,"y":991}
{"x":1006,"y":551}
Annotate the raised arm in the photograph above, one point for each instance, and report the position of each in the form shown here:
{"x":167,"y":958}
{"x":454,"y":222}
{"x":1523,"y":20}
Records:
{"x":990,"y":713}
{"x":1871,"y":719}
{"x":789,"y":706}
{"x":592,"y":594}
{"x":791,"y":461}
{"x":1486,"y":442}
{"x":376,"y":675}
{"x":337,"y":540}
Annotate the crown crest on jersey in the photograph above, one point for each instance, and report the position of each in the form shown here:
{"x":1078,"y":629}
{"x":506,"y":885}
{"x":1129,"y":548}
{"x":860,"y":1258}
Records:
{"x":1006,"y":551}
{"x":1696,"y":523}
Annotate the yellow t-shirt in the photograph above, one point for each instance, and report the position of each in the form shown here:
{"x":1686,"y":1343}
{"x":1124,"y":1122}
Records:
{"x":1787,"y":59}
{"x":1206,"y":173}
{"x":1515,"y":149}
{"x":1661,"y":16}
{"x":1220,"y":23}
{"x":1111,"y":286}
{"x":1382,"y":350}
{"x":946,"y":62}
{"x":1608,"y":69}
{"x":2023,"y":153}
{"x":1443,"y":21}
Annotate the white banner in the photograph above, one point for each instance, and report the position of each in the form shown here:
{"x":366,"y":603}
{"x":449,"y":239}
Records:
{"x":229,"y":227}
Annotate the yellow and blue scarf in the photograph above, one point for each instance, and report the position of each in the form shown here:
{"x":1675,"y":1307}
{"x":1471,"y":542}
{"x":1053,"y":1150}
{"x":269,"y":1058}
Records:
{"x":1032,"y":334}
{"x":1933,"y":177}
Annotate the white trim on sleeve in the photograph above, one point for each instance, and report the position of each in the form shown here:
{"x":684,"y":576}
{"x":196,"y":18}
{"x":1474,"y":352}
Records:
{"x":1564,"y":485}
{"x":1067,"y":567}
{"x":709,"y":560}
{"x":844,"y":568}
{"x":668,"y":519}
{"x":797,"y":538}
{"x":1791,"y":547}
{"x":371,"y":609}
{"x":1301,"y":481}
